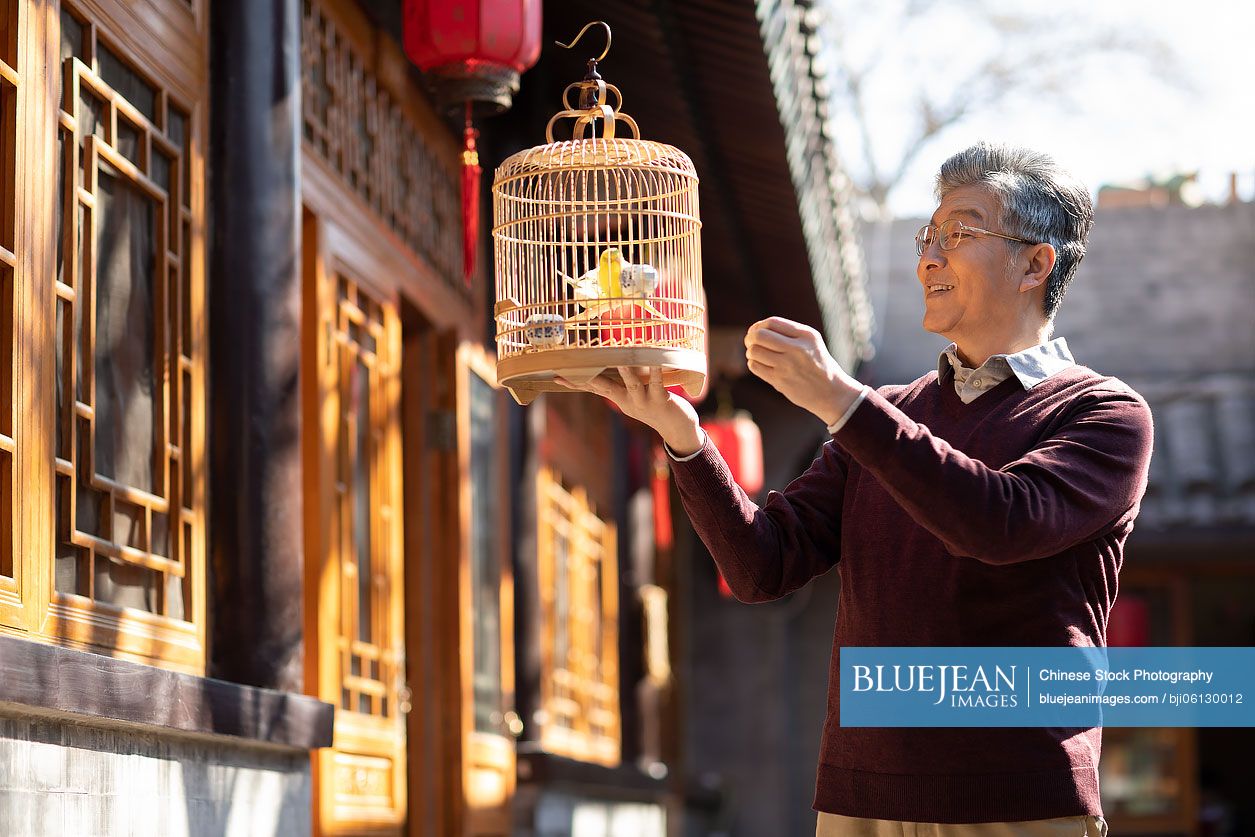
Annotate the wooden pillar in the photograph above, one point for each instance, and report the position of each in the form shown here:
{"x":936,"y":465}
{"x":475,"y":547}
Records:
{"x":255,"y":526}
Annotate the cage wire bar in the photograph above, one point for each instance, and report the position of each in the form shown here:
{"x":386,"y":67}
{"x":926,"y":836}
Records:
{"x":597,"y":253}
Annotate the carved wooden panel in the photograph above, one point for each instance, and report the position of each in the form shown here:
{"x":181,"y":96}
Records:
{"x":577,"y":563}
{"x":357,"y":127}
{"x":363,"y":781}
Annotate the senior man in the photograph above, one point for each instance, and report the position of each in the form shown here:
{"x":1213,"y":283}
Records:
{"x":985,"y":503}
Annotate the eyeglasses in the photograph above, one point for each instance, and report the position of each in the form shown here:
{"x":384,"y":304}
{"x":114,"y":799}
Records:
{"x":950,"y":233}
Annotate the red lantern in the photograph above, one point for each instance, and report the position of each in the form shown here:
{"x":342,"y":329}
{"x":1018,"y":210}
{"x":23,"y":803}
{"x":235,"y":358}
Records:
{"x":473,"y":52}
{"x":740,"y":442}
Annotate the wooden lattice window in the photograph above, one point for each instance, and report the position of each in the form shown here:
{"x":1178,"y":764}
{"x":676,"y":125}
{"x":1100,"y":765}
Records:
{"x":355,"y":547}
{"x":355,"y":126}
{"x":129,"y":431}
{"x":577,"y":572}
{"x":366,"y":526}
{"x":9,"y":84}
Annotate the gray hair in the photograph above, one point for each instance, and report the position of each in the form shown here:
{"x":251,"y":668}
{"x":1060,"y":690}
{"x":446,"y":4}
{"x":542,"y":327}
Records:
{"x":1040,"y":201}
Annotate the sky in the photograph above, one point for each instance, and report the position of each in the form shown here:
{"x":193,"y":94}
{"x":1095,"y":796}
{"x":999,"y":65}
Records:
{"x":1126,"y":118}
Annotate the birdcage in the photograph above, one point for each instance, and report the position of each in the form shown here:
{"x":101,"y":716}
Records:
{"x":597,"y":252}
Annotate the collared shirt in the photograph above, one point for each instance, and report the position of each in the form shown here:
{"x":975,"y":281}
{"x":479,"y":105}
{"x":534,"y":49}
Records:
{"x":1031,"y":366}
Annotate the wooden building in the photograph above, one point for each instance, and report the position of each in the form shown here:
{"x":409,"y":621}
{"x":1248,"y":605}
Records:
{"x":277,"y":555}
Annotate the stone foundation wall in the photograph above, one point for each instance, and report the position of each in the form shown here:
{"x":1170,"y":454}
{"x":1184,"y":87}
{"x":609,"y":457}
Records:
{"x":65,"y":778}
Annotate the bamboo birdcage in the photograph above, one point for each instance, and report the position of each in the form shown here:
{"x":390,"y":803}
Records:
{"x":597,"y":253}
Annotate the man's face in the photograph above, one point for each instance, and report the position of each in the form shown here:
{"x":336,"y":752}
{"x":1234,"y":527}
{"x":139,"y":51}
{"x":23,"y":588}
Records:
{"x":985,"y":296}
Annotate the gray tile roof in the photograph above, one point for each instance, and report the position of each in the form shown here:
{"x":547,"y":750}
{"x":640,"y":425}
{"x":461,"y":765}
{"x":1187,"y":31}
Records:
{"x":1203,"y":469}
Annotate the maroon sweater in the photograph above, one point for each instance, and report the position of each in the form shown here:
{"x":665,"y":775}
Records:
{"x":1001,"y":522}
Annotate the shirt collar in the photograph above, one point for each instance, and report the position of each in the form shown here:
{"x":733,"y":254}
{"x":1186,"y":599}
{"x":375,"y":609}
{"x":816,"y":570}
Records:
{"x":1031,"y":366}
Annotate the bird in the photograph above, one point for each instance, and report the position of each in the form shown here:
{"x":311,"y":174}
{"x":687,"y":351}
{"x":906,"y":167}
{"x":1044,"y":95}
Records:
{"x":608,"y":286}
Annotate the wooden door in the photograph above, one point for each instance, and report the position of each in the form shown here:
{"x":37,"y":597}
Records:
{"x":354,"y":537}
{"x":460,"y":588}
{"x":431,"y":550}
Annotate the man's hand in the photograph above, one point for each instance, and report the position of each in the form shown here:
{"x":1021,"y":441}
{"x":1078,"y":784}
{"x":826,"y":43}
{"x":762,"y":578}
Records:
{"x":792,"y":358}
{"x":644,"y":398}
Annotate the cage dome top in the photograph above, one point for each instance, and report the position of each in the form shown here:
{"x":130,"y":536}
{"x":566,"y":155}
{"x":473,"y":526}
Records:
{"x":617,"y":153}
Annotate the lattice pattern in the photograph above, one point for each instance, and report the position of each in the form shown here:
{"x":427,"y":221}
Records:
{"x":9,"y":83}
{"x":579,"y":614}
{"x":127,"y":389}
{"x":366,"y":526}
{"x":355,"y":125}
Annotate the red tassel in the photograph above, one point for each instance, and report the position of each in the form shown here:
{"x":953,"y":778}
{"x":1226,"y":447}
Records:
{"x":470,"y":198}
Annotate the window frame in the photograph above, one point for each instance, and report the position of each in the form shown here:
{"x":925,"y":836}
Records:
{"x":172,"y":57}
{"x":581,"y":742}
{"x":14,"y":258}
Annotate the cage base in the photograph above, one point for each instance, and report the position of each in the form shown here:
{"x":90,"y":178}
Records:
{"x":528,"y":375}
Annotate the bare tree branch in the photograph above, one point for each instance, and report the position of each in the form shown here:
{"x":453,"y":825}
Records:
{"x":1018,"y":63}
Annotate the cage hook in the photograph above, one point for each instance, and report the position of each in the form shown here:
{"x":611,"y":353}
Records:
{"x":588,"y":26}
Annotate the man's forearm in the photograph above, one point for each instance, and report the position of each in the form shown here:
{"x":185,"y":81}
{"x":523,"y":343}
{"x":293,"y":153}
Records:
{"x":765,"y":552}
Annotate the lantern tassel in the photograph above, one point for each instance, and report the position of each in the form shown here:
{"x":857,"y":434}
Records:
{"x":470,"y":198}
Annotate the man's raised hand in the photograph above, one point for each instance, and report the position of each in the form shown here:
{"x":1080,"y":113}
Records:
{"x":792,"y":358}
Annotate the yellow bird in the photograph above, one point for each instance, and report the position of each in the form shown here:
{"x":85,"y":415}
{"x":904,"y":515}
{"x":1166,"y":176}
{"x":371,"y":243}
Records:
{"x":609,"y":285}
